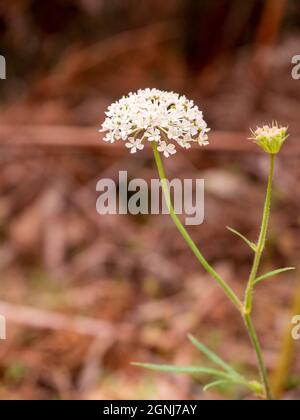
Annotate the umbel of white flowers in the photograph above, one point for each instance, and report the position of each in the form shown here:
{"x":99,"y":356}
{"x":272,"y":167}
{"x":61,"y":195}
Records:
{"x":270,"y":138}
{"x":152,"y":115}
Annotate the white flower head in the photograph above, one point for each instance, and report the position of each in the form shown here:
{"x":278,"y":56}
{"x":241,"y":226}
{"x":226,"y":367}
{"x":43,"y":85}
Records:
{"x":270,"y":137}
{"x":152,"y":115}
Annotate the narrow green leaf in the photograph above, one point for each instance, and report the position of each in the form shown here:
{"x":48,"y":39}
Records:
{"x":252,"y":245}
{"x":190,"y":370}
{"x":252,"y":386}
{"x":223,"y":378}
{"x":216,"y":384}
{"x":273,"y":273}
{"x":212,"y":356}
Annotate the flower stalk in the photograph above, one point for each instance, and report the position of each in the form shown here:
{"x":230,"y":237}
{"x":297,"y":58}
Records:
{"x":261,"y":363}
{"x":228,"y":291}
{"x":261,"y":241}
{"x":248,"y":304}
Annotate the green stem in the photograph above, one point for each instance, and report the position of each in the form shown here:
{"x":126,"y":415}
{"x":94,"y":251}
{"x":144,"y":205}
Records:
{"x":228,"y":291}
{"x":259,"y":354}
{"x":261,"y":241}
{"x":251,"y":283}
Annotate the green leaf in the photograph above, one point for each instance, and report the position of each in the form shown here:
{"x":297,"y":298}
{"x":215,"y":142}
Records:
{"x":190,"y":370}
{"x":213,"y":357}
{"x":222,"y":377}
{"x":252,"y":245}
{"x":216,"y":384}
{"x":273,"y":273}
{"x":252,"y":386}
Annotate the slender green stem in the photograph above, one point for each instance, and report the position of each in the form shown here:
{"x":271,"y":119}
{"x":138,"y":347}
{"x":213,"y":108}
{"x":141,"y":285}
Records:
{"x":228,"y":291}
{"x":251,"y":283}
{"x":259,"y":354}
{"x":261,"y":241}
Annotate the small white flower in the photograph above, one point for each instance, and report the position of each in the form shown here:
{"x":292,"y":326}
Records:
{"x":185,"y":142}
{"x":203,"y":139}
{"x":166,"y":149}
{"x":153,"y":135}
{"x":174,"y":133}
{"x":134,"y":144}
{"x":152,"y":115}
{"x":109,"y":137}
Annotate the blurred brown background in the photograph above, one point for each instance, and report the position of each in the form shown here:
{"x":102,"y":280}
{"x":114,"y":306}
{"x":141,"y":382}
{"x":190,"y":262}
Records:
{"x":84,"y":295}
